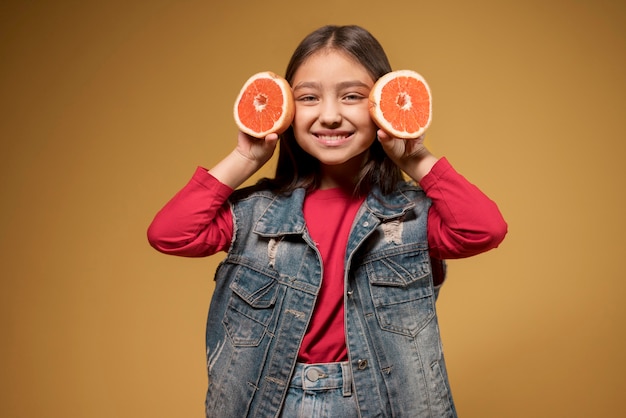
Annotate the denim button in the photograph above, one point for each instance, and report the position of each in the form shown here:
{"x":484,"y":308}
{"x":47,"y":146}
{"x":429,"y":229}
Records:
{"x":312,"y":375}
{"x":362,"y":364}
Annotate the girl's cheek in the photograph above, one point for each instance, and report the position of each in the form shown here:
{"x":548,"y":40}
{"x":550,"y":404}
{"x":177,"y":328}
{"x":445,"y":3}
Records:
{"x":302,"y":114}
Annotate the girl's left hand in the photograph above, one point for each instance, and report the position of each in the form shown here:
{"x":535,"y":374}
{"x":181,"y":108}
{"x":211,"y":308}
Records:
{"x":411,"y":155}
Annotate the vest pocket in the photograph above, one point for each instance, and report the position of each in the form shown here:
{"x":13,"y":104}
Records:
{"x":250,"y":307}
{"x":402,"y":292}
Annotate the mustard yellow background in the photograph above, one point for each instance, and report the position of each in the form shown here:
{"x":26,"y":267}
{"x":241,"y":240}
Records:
{"x":107,"y":108}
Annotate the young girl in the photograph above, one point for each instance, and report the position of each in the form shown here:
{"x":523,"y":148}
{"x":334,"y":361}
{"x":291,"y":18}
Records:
{"x":325,"y":303}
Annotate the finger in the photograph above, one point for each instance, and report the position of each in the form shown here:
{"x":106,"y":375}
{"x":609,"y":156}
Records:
{"x":245,"y":137}
{"x":271,"y":137}
{"x":383,"y":136}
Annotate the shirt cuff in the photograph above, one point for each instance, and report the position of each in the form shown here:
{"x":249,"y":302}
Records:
{"x":436,"y":172}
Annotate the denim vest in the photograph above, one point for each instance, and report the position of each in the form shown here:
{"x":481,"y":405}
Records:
{"x":266,"y":289}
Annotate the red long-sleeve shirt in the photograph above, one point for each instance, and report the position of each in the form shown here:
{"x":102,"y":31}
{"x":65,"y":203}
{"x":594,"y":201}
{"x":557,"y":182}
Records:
{"x":462,"y":222}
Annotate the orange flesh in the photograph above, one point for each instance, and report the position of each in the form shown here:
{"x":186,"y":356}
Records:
{"x":261,"y":105}
{"x":405,"y":104}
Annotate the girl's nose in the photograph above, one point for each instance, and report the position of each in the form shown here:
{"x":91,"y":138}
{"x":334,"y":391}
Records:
{"x":330,"y":114}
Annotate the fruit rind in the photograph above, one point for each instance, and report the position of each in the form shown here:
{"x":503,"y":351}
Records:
{"x":288,"y":106}
{"x":375,"y":106}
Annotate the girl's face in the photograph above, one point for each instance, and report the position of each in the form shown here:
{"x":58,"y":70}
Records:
{"x":332,"y":121}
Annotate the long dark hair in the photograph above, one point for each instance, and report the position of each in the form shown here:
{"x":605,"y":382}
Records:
{"x":295,"y":167}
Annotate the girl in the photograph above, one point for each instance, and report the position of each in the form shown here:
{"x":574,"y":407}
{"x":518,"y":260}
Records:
{"x":325,"y":303}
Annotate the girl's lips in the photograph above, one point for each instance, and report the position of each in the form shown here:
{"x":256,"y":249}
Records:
{"x":333,"y":138}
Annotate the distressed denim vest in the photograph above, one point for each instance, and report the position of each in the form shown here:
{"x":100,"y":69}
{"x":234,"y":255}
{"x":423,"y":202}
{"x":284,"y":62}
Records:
{"x":266,"y":289}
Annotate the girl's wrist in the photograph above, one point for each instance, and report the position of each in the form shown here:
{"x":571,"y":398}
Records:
{"x":421,"y":165}
{"x":234,"y":169}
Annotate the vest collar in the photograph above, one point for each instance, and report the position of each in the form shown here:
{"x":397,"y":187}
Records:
{"x":283,"y":216}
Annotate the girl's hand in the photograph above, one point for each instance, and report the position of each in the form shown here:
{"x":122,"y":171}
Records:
{"x":256,"y":150}
{"x":411,"y":155}
{"x":248,"y":156}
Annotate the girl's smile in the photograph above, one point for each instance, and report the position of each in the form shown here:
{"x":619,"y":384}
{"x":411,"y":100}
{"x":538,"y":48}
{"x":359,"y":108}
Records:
{"x":332,"y":121}
{"x":333,"y":138}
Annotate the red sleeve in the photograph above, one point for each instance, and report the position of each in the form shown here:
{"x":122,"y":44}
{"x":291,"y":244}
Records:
{"x":462,"y":220}
{"x":197,"y":221}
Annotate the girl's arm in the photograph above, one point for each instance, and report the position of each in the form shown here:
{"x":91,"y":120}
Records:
{"x":462,"y":220}
{"x":197,"y":221}
{"x":249,"y":156}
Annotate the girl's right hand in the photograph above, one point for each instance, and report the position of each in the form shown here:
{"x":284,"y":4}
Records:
{"x":249,"y":155}
{"x":256,"y":150}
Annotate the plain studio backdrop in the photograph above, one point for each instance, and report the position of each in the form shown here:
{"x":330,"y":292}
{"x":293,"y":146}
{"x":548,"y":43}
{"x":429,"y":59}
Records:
{"x":108,"y":107}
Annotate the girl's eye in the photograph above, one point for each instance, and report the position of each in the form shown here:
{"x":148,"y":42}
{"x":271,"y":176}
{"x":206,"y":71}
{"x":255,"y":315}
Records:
{"x":353,"y":97}
{"x":308,"y":98}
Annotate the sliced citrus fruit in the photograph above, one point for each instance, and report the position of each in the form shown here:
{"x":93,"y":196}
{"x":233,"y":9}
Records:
{"x":265,"y":105}
{"x":400,"y":104}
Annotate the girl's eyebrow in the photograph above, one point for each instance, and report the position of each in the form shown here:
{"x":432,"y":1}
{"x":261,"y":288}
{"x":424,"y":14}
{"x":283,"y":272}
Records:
{"x":340,"y":86}
{"x":354,"y":83}
{"x":307,"y":84}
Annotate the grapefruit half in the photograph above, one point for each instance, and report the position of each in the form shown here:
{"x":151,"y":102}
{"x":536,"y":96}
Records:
{"x":264,"y":105}
{"x":400,"y":103}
